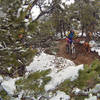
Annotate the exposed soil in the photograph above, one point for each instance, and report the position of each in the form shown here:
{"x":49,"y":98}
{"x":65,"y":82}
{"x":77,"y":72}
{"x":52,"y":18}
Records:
{"x":83,"y":57}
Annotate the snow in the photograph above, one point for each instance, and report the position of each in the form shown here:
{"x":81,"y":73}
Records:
{"x":84,"y":34}
{"x":95,"y":47}
{"x":96,"y":89}
{"x":61,"y":69}
{"x":68,"y":2}
{"x":45,"y":61}
{"x":35,"y":12}
{"x":9,"y":85}
{"x":19,"y":10}
{"x":76,"y":91}
{"x":82,"y":42}
{"x":29,"y":37}
{"x":26,"y":20}
{"x":91,"y":97}
{"x":67,"y":73}
{"x":60,"y":96}
{"x":92,"y":43}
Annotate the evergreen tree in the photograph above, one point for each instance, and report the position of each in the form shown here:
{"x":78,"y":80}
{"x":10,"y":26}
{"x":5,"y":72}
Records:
{"x":15,"y":54}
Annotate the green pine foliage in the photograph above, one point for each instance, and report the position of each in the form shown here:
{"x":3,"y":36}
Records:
{"x":16,"y":51}
{"x":88,"y":78}
{"x":34,"y":83}
{"x":4,"y":95}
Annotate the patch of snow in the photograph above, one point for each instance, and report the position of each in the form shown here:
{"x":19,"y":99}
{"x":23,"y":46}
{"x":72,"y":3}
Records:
{"x":1,"y":46}
{"x":35,"y":12}
{"x":9,"y":85}
{"x":96,"y":34}
{"x":26,"y":20}
{"x":76,"y":91}
{"x":62,"y":6}
{"x":59,"y":35}
{"x":96,"y":89}
{"x":96,"y":49}
{"x":24,"y":7}
{"x":60,"y":96}
{"x":95,"y":46}
{"x":61,"y":69}
{"x":12,"y":98}
{"x":20,"y":95}
{"x":45,"y":61}
{"x":18,"y":14}
{"x":84,"y":34}
{"x":47,"y":2}
{"x":91,"y":97}
{"x":9,"y":68}
{"x":98,"y":95}
{"x":92,"y":43}
{"x":58,"y":77}
{"x":82,"y":42}
{"x":68,"y":2}
{"x":29,"y":37}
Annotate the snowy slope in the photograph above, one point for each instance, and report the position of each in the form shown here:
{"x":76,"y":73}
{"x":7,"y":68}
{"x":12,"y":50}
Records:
{"x":61,"y":69}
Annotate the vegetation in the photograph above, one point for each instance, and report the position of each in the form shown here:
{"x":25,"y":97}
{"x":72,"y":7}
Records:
{"x":4,"y":95}
{"x":88,"y":78}
{"x":15,"y":32}
{"x":34,"y":83}
{"x":19,"y":39}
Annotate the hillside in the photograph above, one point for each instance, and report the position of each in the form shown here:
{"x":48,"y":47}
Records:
{"x":83,"y":56}
{"x":35,"y":63}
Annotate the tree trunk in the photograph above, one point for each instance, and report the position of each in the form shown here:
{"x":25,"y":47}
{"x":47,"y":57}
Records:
{"x":82,"y":31}
{"x":87,"y":36}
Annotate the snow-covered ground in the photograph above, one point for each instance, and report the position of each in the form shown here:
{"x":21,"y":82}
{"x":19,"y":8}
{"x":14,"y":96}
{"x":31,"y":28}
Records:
{"x":8,"y":84}
{"x":46,"y":61}
{"x":91,"y":97}
{"x":67,"y":73}
{"x":61,"y":69}
{"x":60,"y":96}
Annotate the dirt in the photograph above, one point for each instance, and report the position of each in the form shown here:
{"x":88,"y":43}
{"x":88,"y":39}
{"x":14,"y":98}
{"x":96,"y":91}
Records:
{"x":83,"y":57}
